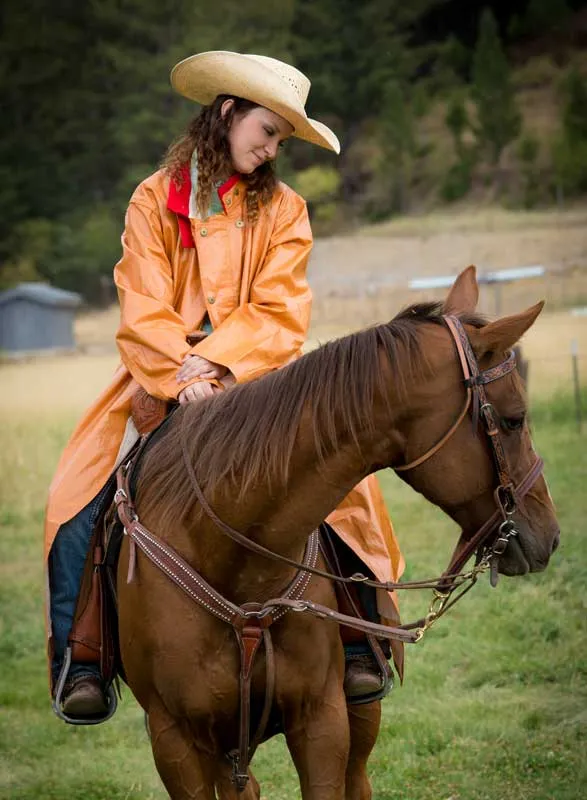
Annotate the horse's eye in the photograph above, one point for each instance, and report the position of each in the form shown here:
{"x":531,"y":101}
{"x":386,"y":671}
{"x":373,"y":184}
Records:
{"x":513,"y":423}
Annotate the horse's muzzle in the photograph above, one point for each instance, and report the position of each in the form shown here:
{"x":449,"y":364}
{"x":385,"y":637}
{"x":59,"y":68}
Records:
{"x":528,"y":553}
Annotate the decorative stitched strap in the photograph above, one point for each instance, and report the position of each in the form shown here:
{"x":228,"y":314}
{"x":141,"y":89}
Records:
{"x":481,"y":406}
{"x":182,"y":574}
{"x":493,"y":373}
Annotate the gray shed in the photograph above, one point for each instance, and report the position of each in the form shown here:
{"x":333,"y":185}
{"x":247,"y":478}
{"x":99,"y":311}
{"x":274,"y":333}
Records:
{"x":36,"y":316}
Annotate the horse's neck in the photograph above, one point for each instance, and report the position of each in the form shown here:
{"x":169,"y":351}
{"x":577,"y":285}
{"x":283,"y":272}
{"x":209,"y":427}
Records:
{"x":316,"y":486}
{"x":281,"y":518}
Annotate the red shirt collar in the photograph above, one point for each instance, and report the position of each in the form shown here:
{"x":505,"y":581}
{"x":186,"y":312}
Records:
{"x":178,"y":201}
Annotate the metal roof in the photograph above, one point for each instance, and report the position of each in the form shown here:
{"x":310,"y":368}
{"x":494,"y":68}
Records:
{"x":501,"y":276}
{"x":41,"y":293}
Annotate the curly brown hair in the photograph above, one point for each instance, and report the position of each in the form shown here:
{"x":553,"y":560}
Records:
{"x":207,"y":134}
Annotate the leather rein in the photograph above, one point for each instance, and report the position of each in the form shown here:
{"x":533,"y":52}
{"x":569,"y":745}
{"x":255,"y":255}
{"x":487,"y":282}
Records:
{"x":251,"y":621}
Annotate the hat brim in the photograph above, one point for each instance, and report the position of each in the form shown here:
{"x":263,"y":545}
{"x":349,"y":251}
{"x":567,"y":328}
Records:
{"x":204,"y":76}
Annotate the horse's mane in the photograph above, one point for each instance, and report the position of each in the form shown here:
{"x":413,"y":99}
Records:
{"x":247,"y":434}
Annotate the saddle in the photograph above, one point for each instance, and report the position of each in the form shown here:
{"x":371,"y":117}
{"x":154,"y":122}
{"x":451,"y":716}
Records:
{"x":93,"y":638}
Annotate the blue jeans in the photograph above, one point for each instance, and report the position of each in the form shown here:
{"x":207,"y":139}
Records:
{"x":66,"y":567}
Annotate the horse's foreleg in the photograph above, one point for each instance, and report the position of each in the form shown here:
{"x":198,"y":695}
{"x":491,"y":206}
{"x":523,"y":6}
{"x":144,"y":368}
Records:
{"x":188,"y":774}
{"x":318,"y":741}
{"x":364,"y":721}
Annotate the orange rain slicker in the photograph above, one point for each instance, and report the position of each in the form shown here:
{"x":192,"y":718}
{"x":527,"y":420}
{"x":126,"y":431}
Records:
{"x":251,"y":281}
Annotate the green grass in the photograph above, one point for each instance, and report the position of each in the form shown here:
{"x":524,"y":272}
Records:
{"x":494,"y":705}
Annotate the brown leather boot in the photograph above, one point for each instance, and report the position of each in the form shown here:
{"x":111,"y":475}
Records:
{"x":362,"y":676}
{"x":84,"y":697}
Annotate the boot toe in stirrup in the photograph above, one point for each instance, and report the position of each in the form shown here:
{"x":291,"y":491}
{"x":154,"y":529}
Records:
{"x":362,"y":677}
{"x":85,"y":698}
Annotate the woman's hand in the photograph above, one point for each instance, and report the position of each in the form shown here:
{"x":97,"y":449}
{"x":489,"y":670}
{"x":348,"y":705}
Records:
{"x":196,"y":392}
{"x":198,"y":367}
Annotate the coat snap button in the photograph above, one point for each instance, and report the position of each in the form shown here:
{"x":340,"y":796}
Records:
{"x":204,"y":232}
{"x":228,"y":201}
{"x":239,"y":223}
{"x":211,"y":298}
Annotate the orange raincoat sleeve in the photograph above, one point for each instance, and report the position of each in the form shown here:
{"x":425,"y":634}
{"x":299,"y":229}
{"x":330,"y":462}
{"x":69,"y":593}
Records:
{"x":152,"y":335}
{"x":265,"y":332}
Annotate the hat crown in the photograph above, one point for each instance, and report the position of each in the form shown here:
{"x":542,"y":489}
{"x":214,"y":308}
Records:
{"x":290,"y":75}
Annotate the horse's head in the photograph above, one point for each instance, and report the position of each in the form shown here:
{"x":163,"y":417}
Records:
{"x":487,"y":470}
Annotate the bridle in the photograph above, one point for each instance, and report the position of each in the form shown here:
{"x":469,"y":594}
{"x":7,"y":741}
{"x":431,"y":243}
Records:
{"x":506,"y":494}
{"x":251,"y":621}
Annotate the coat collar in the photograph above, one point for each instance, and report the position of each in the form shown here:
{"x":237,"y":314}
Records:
{"x":178,"y":201}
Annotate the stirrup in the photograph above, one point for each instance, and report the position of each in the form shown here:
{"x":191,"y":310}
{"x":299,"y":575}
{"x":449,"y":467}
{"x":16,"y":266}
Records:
{"x":370,"y":698}
{"x":386,"y":676}
{"x":111,"y":699}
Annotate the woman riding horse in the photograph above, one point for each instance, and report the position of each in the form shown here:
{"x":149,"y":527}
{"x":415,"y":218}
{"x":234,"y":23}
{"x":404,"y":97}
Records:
{"x":213,"y":291}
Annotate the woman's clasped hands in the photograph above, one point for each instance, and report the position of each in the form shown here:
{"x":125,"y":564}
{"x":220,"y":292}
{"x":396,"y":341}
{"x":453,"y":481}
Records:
{"x":195,"y":366}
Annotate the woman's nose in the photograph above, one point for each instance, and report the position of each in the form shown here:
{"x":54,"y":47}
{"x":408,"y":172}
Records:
{"x":271,"y":150}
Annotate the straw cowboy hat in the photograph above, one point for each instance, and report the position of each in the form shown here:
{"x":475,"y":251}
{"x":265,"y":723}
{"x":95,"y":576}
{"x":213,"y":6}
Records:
{"x":263,"y":80}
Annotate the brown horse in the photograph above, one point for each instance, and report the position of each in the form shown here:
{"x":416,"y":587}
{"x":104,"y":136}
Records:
{"x":273,"y":458}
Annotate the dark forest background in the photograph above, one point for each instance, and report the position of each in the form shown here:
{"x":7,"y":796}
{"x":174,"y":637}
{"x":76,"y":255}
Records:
{"x":435,"y":102}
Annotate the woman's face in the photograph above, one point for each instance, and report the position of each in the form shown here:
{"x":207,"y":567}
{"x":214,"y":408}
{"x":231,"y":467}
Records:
{"x":255,"y":137}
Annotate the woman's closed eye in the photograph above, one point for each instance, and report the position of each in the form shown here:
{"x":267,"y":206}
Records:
{"x":272,"y":132}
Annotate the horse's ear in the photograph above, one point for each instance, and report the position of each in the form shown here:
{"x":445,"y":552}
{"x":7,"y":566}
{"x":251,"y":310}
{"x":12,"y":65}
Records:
{"x":504,"y":333}
{"x":464,"y":293}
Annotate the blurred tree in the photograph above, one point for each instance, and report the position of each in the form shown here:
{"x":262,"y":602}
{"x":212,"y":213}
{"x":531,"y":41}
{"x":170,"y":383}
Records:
{"x":545,"y":16}
{"x":457,"y":120}
{"x":353,"y":50}
{"x":52,"y":148}
{"x":499,"y":120}
{"x":569,"y":149}
{"x":528,"y":150}
{"x":398,"y":143}
{"x":575,"y":108}
{"x":458,"y":179}
{"x":353,"y":53}
{"x":450,"y":66}
{"x":319,"y":186}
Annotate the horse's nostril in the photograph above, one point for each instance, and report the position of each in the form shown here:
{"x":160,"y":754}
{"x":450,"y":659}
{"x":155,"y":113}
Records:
{"x":556,"y":541}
